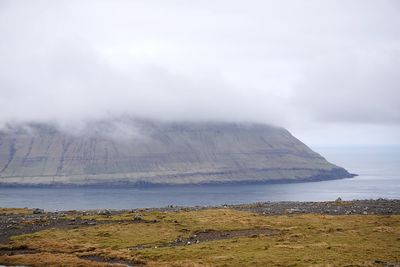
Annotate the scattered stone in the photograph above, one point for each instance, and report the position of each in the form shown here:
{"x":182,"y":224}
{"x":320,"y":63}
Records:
{"x":137,"y":218}
{"x":294,"y":210}
{"x":383,"y":207}
{"x":38,"y":211}
{"x":104,"y":212}
{"x":90,"y":222}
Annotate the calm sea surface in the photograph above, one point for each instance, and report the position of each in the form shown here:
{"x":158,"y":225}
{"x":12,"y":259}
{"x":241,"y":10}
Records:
{"x":378,"y":169}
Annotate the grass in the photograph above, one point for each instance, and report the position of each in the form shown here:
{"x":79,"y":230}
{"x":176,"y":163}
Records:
{"x":50,"y":259}
{"x":306,"y":240}
{"x":113,"y":236}
{"x":303,"y":240}
{"x":9,"y":211}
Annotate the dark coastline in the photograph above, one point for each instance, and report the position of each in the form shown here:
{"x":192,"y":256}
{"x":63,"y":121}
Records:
{"x":337,"y":174}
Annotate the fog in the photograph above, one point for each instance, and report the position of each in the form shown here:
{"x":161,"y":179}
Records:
{"x":329,"y":71}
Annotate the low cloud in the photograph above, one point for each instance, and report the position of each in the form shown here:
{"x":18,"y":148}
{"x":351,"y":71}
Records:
{"x":359,"y":87}
{"x":297,"y":64}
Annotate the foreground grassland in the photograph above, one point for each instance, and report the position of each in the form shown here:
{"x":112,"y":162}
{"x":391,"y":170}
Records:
{"x":210,"y":237}
{"x":21,"y":211}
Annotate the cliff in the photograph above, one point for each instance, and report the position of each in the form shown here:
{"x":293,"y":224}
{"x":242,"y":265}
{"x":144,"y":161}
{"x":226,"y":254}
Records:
{"x":157,"y":153}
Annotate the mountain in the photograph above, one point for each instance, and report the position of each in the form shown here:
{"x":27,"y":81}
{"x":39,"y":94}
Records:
{"x":140,"y":151}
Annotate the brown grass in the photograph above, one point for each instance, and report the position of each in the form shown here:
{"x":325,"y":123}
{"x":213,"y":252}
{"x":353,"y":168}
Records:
{"x":50,"y":259}
{"x":304,"y":240}
{"x":15,"y":211}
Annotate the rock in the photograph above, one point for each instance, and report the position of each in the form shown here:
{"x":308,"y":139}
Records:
{"x":338,"y":199}
{"x":104,"y":212}
{"x":294,"y":210}
{"x":137,"y":218}
{"x":38,"y":211}
{"x":90,"y":222}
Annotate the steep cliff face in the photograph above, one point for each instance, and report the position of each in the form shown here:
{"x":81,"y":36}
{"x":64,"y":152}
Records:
{"x":159,"y":153}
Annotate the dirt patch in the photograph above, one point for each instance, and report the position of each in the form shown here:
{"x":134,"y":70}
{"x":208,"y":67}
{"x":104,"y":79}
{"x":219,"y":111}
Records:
{"x":211,"y":235}
{"x":20,"y":225}
{"x":218,"y":235}
{"x":10,"y":251}
{"x":118,"y":262}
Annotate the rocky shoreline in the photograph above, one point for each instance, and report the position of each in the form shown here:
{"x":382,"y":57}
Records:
{"x":337,"y":207}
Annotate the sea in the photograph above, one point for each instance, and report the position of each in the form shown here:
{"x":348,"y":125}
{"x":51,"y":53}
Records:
{"x":378,"y":169}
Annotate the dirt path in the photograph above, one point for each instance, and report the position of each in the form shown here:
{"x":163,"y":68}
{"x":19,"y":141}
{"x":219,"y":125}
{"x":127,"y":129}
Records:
{"x":115,"y":262}
{"x":208,"y":236}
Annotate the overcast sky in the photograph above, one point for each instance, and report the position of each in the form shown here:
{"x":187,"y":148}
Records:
{"x":329,"y":71}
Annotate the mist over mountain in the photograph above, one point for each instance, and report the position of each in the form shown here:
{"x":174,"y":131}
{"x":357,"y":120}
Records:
{"x":128,"y":150}
{"x":326,"y":71}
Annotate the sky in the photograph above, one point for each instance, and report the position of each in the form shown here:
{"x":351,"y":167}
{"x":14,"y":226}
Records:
{"x":328,"y":71}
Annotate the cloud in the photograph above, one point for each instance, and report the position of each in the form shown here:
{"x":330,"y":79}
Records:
{"x":297,"y":64}
{"x":355,"y":87}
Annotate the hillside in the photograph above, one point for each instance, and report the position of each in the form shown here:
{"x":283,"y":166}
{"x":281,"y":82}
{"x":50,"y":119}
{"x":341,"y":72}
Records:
{"x":139,"y":151}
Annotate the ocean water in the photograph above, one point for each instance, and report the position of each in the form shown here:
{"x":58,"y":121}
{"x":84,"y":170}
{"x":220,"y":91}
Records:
{"x":378,"y":169}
